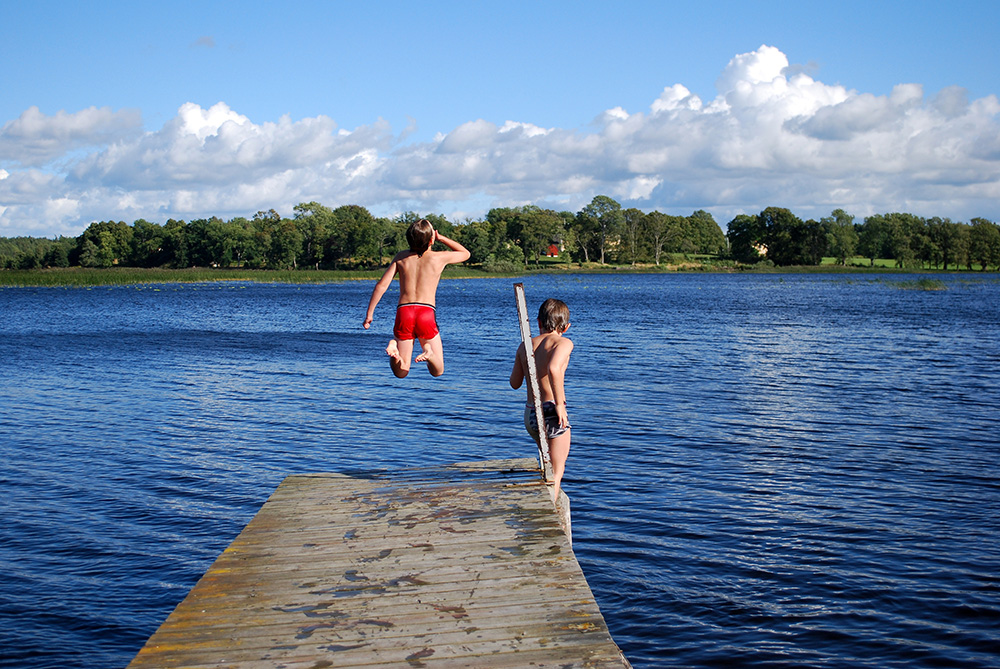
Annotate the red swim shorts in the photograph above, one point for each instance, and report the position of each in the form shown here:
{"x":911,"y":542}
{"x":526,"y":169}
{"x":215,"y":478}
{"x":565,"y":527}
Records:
{"x":415,"y":321}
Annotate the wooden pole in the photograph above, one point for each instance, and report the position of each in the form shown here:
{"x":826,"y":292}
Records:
{"x":529,"y":351}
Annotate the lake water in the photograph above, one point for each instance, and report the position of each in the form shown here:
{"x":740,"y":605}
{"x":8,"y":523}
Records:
{"x":767,"y":470}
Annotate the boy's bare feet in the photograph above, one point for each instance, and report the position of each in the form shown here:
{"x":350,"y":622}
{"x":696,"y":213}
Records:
{"x":392,"y":350}
{"x":426,"y":353}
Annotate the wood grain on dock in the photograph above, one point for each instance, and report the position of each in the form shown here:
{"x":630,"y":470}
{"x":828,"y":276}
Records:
{"x":454,"y":566}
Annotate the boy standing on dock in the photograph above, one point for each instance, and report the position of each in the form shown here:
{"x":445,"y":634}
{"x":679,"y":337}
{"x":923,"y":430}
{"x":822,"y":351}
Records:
{"x":419,"y":271}
{"x":552,"y":352}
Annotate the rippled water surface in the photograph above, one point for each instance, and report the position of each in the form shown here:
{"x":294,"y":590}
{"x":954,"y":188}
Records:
{"x":767,"y":470}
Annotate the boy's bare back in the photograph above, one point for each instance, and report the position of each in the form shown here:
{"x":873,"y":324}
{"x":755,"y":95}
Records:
{"x":419,"y":275}
{"x":552,"y":351}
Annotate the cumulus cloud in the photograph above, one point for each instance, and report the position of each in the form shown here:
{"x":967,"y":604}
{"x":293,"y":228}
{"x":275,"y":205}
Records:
{"x":35,"y":139}
{"x":216,"y":148}
{"x":773,"y":135}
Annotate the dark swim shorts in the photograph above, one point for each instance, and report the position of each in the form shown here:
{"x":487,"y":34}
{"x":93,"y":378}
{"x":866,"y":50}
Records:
{"x":552,"y":428}
{"x":415,"y":321}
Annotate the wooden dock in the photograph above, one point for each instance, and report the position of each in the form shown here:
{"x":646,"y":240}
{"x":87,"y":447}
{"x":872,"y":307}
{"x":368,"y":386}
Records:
{"x":454,"y":566}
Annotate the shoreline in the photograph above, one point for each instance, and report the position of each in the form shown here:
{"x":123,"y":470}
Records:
{"x":125,"y":276}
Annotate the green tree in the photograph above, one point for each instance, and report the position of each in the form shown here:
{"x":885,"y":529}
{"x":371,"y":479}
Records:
{"x":240,"y":235}
{"x":390,"y":236}
{"x":962,"y":242}
{"x":175,"y":243}
{"x":789,"y":241}
{"x":31,"y":259}
{"x":223,"y":240}
{"x":35,"y":252}
{"x":482,"y":238}
{"x":606,"y":216}
{"x":508,"y":259}
{"x":947,"y":243}
{"x":57,"y":255}
{"x":89,"y":254}
{"x":585,"y":233}
{"x":263,"y":230}
{"x":112,"y":242}
{"x":511,"y":221}
{"x":147,"y":244}
{"x":984,"y":243}
{"x":815,"y":243}
{"x":747,"y":239}
{"x":842,"y":238}
{"x":396,"y":237}
{"x":208,"y":243}
{"x":873,"y":238}
{"x":539,"y":229}
{"x":705,"y":234}
{"x":568,"y":236}
{"x":907,"y":241}
{"x":286,"y":245}
{"x":633,"y":221}
{"x":338,"y":247}
{"x":362,"y":237}
{"x":314,"y":222}
{"x":655,"y":229}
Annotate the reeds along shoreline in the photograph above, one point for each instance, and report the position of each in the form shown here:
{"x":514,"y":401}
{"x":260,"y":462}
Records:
{"x":127,"y":276}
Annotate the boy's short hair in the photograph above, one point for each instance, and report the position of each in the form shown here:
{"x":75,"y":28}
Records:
{"x":553,"y":316}
{"x":419,"y":236}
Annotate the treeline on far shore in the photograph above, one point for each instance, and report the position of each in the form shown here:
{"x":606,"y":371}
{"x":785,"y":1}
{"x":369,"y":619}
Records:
{"x":512,"y":239}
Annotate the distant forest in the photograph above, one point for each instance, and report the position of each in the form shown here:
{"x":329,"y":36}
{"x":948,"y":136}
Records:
{"x":510,"y":239}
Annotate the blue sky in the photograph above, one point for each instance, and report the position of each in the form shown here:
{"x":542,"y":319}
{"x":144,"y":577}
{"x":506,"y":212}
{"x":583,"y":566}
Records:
{"x":121,"y":111}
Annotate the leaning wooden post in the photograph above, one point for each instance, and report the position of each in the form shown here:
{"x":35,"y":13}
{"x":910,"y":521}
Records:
{"x":529,"y":351}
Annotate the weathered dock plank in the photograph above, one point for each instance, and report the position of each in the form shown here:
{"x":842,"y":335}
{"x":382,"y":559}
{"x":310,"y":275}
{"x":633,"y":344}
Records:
{"x":457,"y":566}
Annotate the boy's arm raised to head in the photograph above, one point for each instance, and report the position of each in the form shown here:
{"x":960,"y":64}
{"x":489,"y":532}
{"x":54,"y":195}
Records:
{"x":378,"y":291}
{"x":457,"y":253}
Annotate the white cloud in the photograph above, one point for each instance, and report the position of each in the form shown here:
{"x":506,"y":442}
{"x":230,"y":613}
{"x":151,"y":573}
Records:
{"x":766,"y":65}
{"x":772,"y":136}
{"x":201,"y":150}
{"x":207,"y":122}
{"x":34,"y":139}
{"x":676,"y":97}
{"x":529,"y":129}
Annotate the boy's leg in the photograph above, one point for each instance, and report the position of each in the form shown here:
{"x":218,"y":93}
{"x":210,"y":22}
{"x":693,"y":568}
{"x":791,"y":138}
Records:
{"x":432,"y":354}
{"x":399,"y":353}
{"x":558,"y":453}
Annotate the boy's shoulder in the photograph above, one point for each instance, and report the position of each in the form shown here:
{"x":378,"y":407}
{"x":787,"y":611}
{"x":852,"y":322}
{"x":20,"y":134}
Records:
{"x":553,"y":343}
{"x":563,"y":345}
{"x":435,"y":253}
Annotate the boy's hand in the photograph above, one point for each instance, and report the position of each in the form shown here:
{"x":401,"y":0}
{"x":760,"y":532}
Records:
{"x":368,"y":322}
{"x":562,"y":415}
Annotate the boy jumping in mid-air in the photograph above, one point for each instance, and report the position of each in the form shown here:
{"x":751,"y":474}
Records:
{"x":419,"y":271}
{"x":551,"y":360}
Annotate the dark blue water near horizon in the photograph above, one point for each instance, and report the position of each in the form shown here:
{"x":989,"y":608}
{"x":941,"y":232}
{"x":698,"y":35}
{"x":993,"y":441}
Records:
{"x":766,"y":471}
